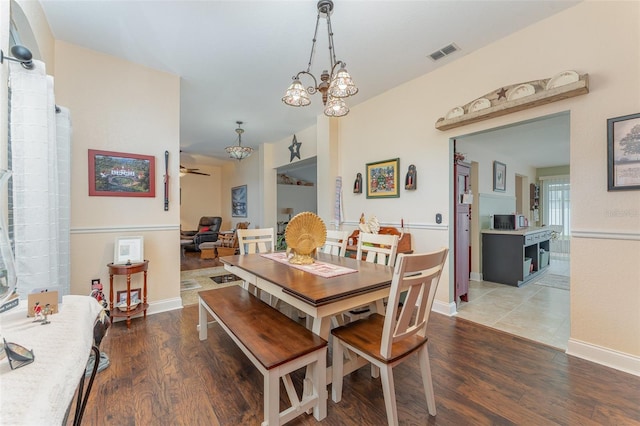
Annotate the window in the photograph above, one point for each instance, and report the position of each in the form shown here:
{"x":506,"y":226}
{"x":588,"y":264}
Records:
{"x":556,"y":200}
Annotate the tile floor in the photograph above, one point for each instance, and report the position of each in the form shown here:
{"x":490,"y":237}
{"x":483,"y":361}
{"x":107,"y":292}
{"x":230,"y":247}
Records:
{"x":533,"y":311}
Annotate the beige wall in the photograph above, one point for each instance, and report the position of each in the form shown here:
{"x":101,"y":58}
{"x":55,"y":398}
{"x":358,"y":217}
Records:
{"x":553,"y":171}
{"x":201,"y":196}
{"x":123,"y":107}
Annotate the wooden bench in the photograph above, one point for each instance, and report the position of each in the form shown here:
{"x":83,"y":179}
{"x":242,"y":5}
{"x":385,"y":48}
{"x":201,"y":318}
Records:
{"x":275,"y":344}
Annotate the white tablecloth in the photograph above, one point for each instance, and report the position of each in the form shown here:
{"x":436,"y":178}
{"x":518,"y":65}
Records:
{"x":40,"y":393}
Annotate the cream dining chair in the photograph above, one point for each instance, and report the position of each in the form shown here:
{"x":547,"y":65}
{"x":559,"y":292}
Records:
{"x":336,"y":243}
{"x":386,"y":341}
{"x":259,"y":240}
{"x":374,"y":248}
{"x":378,"y":248}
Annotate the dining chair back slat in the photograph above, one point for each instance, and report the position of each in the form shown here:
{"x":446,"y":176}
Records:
{"x":377,"y":248}
{"x":336,"y":243}
{"x":253,"y":241}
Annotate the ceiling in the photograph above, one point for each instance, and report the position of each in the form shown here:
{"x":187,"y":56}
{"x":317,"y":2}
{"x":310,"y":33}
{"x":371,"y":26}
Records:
{"x":236,"y":58}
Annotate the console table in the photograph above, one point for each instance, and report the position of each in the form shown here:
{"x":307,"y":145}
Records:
{"x":128,"y":270}
{"x":40,"y":393}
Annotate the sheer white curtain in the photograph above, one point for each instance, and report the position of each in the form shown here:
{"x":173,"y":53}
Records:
{"x":556,"y":199}
{"x":40,"y":162}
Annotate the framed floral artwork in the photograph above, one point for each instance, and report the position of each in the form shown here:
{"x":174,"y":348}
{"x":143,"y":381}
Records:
{"x":382,"y":179}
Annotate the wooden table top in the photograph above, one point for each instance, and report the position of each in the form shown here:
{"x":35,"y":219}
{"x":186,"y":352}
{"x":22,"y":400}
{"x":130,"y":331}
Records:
{"x":311,"y":288}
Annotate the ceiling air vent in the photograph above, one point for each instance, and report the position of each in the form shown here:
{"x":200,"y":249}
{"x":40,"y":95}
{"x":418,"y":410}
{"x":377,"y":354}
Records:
{"x":447,"y":50}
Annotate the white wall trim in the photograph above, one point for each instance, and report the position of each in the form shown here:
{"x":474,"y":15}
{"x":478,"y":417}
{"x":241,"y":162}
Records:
{"x":157,"y":307}
{"x":448,"y":309}
{"x":608,"y":357}
{"x":133,"y":228}
{"x":475,"y":276}
{"x":407,"y":227}
{"x":605,"y":235}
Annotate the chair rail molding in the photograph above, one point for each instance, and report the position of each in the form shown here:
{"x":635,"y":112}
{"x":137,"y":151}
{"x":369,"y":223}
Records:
{"x":132,"y":228}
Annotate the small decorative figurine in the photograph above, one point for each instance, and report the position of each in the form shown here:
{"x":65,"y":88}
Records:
{"x":37,"y":313}
{"x":46,"y":311}
{"x":410,"y":182}
{"x":357,"y":185}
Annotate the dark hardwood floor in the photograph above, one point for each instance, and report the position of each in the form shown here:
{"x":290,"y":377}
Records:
{"x":161,"y":374}
{"x":191,"y":260}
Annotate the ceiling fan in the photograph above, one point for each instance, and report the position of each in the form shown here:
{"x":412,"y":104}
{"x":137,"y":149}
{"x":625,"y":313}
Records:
{"x":186,"y":170}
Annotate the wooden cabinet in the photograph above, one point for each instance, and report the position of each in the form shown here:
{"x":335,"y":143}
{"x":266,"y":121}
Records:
{"x":128,"y":270}
{"x":534,"y":196}
{"x":514,"y":257}
{"x":462,"y":246}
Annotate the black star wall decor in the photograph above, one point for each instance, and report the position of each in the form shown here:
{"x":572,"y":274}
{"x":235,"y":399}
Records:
{"x":295,"y":148}
{"x":502,"y":93}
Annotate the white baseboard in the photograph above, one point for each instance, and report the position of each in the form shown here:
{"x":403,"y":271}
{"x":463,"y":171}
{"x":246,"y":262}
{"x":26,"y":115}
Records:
{"x":608,"y":357}
{"x":475,"y":276}
{"x":448,"y":309}
{"x":156,"y":308}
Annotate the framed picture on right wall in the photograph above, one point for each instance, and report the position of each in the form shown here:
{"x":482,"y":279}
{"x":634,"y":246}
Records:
{"x":499,"y":176}
{"x":623,"y":152}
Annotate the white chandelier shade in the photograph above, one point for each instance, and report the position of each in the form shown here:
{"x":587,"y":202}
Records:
{"x":239,"y":152}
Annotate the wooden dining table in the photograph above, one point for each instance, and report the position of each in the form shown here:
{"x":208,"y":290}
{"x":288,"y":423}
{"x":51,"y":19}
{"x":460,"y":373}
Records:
{"x":319,"y":297}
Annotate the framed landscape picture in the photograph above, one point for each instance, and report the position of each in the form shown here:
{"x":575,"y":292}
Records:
{"x":623,"y":152}
{"x":116,"y":174}
{"x":239,"y":201}
{"x":382,"y":179}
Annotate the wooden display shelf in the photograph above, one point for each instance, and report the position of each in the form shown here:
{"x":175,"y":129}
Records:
{"x":128,"y":270}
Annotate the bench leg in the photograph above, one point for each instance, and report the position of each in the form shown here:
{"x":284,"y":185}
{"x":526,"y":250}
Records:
{"x":271,"y":398}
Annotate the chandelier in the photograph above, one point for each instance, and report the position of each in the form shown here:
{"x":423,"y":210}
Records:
{"x":334,"y":86}
{"x":239,"y":152}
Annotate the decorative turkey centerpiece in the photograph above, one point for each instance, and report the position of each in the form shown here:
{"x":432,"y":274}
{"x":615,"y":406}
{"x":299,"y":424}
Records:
{"x":304,"y":234}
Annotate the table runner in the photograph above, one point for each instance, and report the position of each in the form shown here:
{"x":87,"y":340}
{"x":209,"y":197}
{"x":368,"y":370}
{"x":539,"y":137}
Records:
{"x":322,"y":269}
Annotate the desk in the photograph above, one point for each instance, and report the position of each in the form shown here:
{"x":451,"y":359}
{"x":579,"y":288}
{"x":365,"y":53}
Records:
{"x":41,"y":392}
{"x":320,"y":298}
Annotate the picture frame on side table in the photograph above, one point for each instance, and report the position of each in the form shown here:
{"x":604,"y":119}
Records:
{"x":383,"y":179}
{"x":117,"y":174}
{"x":499,"y":176}
{"x":623,"y":153}
{"x":135,"y":298}
{"x":128,"y":250}
{"x":239,"y":201}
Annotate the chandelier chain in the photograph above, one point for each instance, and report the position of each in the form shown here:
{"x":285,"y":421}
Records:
{"x":313,"y":45}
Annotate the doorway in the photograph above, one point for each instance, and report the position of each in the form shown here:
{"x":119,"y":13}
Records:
{"x":531,"y":150}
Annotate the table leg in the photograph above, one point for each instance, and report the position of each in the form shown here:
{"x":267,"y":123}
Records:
{"x":202,"y":320}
